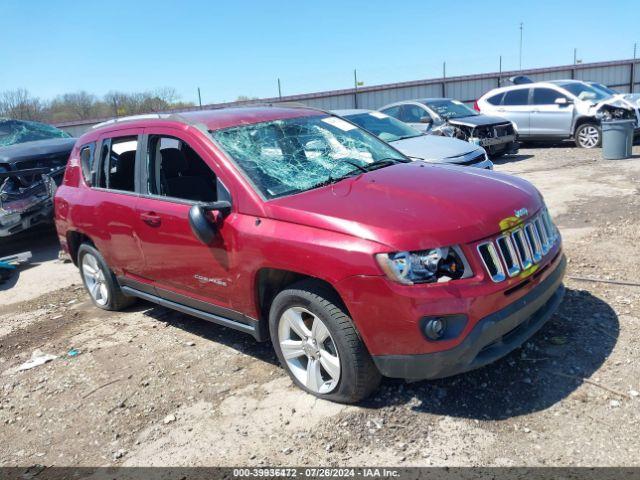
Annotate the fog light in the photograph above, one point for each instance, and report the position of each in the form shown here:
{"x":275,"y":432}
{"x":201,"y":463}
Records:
{"x":434,"y":329}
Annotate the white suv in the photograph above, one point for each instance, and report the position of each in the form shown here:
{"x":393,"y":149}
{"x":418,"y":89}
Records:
{"x":556,"y":110}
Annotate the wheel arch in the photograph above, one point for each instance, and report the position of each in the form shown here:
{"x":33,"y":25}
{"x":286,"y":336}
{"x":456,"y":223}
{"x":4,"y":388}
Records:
{"x":581,"y":121}
{"x":271,"y":281}
{"x":74,"y":240}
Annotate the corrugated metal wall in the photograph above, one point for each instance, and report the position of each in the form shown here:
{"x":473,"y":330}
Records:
{"x":467,"y":88}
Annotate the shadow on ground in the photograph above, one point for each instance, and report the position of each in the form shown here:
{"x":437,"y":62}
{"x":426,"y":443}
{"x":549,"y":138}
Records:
{"x":41,"y":241}
{"x":242,"y":342}
{"x":507,"y":159}
{"x":550,"y":366}
{"x":570,"y":347}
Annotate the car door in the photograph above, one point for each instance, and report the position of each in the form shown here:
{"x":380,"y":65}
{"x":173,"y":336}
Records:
{"x":549,"y":118}
{"x":515,"y":107}
{"x":113,"y":202}
{"x":175,"y":176}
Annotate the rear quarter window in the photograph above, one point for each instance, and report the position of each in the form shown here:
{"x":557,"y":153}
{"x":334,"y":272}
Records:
{"x":87,"y":163}
{"x":495,"y":99}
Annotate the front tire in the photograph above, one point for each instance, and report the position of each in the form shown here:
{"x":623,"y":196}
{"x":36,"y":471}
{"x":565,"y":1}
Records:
{"x":588,"y":135}
{"x":99,"y":280}
{"x":318,"y":345}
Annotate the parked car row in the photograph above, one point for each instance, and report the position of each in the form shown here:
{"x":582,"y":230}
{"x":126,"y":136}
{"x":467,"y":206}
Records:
{"x":300,"y":227}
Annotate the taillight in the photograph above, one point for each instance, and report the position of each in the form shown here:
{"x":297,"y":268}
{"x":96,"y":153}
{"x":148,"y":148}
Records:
{"x":475,"y":106}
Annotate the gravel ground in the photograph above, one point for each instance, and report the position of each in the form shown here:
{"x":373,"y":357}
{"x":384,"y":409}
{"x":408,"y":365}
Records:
{"x":153,"y":387}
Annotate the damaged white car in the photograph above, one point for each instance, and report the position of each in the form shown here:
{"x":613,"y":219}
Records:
{"x":33,"y":157}
{"x":557,"y":110}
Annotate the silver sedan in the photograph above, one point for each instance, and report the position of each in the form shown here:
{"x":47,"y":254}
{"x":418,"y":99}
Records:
{"x":415,"y":144}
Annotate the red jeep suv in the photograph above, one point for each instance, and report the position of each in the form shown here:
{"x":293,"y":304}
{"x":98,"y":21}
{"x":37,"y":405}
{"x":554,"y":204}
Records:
{"x":296,"y":225}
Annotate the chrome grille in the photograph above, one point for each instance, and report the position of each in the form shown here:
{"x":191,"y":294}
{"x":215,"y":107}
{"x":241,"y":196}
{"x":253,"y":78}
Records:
{"x":511,"y":253}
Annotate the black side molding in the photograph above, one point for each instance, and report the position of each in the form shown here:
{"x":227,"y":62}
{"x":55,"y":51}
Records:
{"x":252,"y":330}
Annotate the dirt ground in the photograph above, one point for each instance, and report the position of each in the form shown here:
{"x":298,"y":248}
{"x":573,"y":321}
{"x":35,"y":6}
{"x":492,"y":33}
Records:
{"x":153,"y":387}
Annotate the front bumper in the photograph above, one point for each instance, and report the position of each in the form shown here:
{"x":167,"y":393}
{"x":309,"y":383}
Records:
{"x":492,"y":337}
{"x":34,"y":215}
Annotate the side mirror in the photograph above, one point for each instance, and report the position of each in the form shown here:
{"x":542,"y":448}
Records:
{"x":428,"y":120}
{"x":562,"y":101}
{"x":203,"y":227}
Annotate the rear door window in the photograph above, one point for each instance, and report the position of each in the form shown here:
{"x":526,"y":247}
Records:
{"x":412,"y":113}
{"x":392,"y":111}
{"x":516,"y":97}
{"x":118,"y":163}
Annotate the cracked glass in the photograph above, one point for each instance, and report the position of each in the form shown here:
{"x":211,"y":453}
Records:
{"x":283,"y":157}
{"x":21,"y":131}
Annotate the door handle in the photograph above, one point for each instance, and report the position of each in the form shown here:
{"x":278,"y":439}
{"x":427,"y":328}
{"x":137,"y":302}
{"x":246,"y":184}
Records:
{"x":151,"y":219}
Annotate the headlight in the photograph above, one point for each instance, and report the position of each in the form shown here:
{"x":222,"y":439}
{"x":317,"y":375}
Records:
{"x":425,"y":266}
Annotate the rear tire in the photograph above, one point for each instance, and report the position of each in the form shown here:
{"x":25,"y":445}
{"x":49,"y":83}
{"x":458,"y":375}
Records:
{"x":99,"y":280}
{"x":588,"y":135}
{"x":325,"y":356}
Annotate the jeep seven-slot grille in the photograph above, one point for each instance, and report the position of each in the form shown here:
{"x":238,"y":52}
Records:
{"x":519,"y":249}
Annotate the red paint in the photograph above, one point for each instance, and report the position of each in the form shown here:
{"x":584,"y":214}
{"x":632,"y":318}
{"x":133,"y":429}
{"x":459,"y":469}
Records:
{"x":331,"y":233}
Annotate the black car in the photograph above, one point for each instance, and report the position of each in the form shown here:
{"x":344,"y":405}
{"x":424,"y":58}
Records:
{"x":445,"y":116}
{"x":33,"y":157}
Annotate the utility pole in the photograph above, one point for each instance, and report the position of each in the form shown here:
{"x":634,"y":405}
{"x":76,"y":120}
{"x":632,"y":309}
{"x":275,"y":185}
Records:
{"x":633,"y":69}
{"x":279,"y":90}
{"x":575,"y":56}
{"x":355,"y":87}
{"x":444,"y":79}
{"x":199,"y":99}
{"x":521,"y":26}
{"x":500,"y":72}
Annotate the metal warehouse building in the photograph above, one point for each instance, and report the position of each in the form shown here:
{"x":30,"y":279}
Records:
{"x":622,"y":75}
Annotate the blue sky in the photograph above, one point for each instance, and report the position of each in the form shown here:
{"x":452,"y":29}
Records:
{"x":232,"y":48}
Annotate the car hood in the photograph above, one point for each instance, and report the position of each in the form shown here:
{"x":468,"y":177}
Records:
{"x":37,"y":148}
{"x":478,"y":120}
{"x":413,"y":206}
{"x":434,"y":148}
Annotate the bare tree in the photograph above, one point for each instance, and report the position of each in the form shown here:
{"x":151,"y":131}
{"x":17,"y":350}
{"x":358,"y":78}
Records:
{"x":21,"y":105}
{"x":79,"y":105}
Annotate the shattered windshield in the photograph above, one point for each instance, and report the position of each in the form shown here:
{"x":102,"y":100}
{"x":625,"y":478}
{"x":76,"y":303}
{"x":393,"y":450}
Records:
{"x":450,"y":109}
{"x":21,"y":131}
{"x":584,"y":91}
{"x":383,"y":126}
{"x":283,"y":157}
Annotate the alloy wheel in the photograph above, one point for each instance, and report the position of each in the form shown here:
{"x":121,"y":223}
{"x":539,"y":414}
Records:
{"x":588,"y":137}
{"x":309,"y":350}
{"x":94,"y":279}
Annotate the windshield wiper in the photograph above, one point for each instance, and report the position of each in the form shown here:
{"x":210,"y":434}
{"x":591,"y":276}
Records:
{"x":359,"y":168}
{"x":383,"y":162}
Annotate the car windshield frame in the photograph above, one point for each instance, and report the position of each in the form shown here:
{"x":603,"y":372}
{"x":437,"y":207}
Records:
{"x":383,"y":120}
{"x":278,"y":162}
{"x":14,"y":132}
{"x":443,"y":109}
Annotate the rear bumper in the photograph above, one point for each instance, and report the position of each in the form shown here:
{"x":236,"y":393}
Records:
{"x":492,"y":337}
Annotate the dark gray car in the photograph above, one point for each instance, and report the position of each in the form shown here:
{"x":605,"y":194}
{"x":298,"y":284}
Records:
{"x":33,"y":157}
{"x":445,"y":116}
